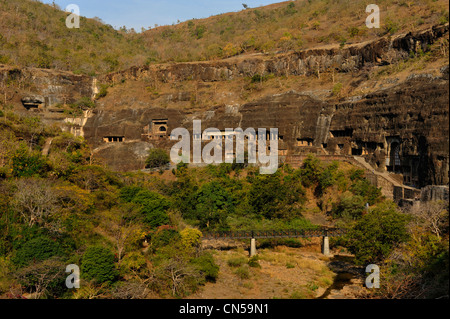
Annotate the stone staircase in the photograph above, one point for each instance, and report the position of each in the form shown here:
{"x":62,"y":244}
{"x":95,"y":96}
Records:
{"x":391,"y":188}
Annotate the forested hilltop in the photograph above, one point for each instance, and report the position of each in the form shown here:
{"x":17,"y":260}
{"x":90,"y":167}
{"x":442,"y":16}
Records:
{"x":34,"y":34}
{"x":131,"y":232}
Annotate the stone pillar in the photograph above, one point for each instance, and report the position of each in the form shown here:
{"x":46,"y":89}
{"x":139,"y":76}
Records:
{"x":252,"y":247}
{"x":326,"y":246}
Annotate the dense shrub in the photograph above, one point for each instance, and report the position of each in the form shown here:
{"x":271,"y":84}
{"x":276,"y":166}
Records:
{"x":128,"y":193}
{"x":27,"y":164}
{"x":311,"y":171}
{"x":164,"y":236}
{"x":356,"y":174}
{"x":98,"y":264}
{"x":37,"y":249}
{"x":236,"y":261}
{"x":376,"y":234}
{"x":190,"y":238}
{"x":348,"y":207}
{"x":207,"y":266}
{"x":157,"y":158}
{"x":369,"y":192}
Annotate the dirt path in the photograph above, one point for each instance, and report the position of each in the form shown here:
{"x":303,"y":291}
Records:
{"x":284,"y":273}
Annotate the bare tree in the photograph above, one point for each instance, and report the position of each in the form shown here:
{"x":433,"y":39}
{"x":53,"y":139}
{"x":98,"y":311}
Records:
{"x":90,"y":291}
{"x":431,"y":216}
{"x":7,"y":95}
{"x":178,"y":272}
{"x":36,"y":278}
{"x":35,"y":200}
{"x":131,"y":290}
{"x":124,"y":231}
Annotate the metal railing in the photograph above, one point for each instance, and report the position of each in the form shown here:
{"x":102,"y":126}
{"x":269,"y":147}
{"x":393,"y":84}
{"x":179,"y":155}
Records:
{"x":304,"y":233}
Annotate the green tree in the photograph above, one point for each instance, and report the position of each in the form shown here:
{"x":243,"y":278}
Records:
{"x":271,"y":197}
{"x":369,"y":192}
{"x":37,"y":249}
{"x":212,"y":205}
{"x":348,"y":207}
{"x":376,"y":234}
{"x":157,"y":158}
{"x":311,"y":171}
{"x":98,"y":264}
{"x":153,"y":207}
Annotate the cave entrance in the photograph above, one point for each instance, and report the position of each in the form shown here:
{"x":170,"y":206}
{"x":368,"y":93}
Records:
{"x":304,"y":142}
{"x":394,"y":157}
{"x":114,"y":139}
{"x":157,"y":129}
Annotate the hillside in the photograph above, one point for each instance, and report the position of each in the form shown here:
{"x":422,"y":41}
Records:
{"x":85,"y":115}
{"x":34,"y":34}
{"x":290,"y":25}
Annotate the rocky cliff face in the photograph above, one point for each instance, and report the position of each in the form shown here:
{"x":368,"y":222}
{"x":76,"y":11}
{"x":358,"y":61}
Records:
{"x":41,"y":91}
{"x":402,"y":128}
{"x":308,"y":62}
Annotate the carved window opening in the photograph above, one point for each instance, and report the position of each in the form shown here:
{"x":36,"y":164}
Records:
{"x":304,"y":142}
{"x":394,"y":157}
{"x":114,"y":139}
{"x":158,"y":129}
{"x":341,"y":133}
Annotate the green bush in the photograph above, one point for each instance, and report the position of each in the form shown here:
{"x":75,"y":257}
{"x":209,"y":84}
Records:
{"x":157,"y":158}
{"x":207,"y":266}
{"x":128,"y":193}
{"x":27,"y":164}
{"x":98,"y":264}
{"x":376,"y":234}
{"x":243,"y":272}
{"x":236,"y":261}
{"x":356,"y":174}
{"x":103,"y":91}
{"x":348,"y":207}
{"x":311,"y":171}
{"x":254,"y":262}
{"x":328,"y":176}
{"x":363,"y":188}
{"x":164,"y":236}
{"x":37,"y":249}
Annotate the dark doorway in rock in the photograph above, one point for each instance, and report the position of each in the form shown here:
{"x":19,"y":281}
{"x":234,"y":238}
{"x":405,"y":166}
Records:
{"x":394,"y":157}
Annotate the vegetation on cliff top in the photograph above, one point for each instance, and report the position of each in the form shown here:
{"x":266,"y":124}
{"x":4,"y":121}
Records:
{"x":34,"y":34}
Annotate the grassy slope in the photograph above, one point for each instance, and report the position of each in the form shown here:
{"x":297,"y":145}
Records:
{"x":291,"y":25}
{"x":34,"y":34}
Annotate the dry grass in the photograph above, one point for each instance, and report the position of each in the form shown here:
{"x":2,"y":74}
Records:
{"x":274,"y":279}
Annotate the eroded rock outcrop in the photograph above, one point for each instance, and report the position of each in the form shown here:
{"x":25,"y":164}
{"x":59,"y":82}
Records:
{"x":401,"y":129}
{"x":383,"y":51}
{"x":42,"y":89}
